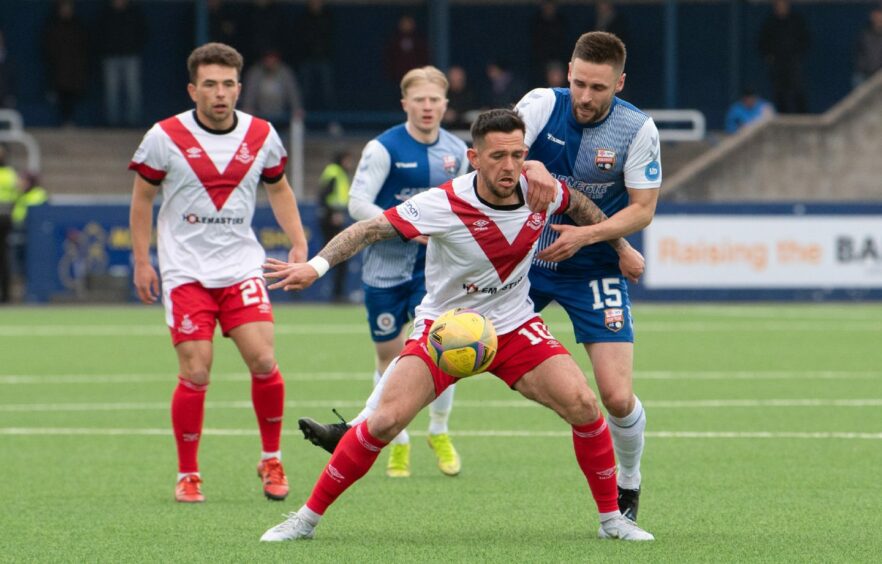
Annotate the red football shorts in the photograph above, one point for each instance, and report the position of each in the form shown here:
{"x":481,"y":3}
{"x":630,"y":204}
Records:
{"x":519,"y":352}
{"x":193,"y":310}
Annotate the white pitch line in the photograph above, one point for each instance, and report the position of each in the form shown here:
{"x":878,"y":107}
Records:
{"x":14,"y":379}
{"x":561,"y":328}
{"x":464,"y":404}
{"x":67,"y":431}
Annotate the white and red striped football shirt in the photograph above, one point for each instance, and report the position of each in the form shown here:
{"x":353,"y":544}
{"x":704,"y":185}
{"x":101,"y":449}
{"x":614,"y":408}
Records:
{"x":209,"y":189}
{"x":478,"y":254}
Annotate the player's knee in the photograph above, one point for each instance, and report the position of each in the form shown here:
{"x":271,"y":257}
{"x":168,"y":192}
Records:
{"x":618,"y":403}
{"x":581,"y":409}
{"x":262,"y":363}
{"x":385,"y":425}
{"x":198,"y":376}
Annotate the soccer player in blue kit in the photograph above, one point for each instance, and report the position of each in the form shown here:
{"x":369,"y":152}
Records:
{"x":402,"y":161}
{"x":608,"y":150}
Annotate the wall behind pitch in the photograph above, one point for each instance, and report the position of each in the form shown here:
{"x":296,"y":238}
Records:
{"x":83,"y":253}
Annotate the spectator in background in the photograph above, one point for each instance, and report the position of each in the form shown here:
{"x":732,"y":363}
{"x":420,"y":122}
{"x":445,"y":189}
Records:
{"x":460,"y":99}
{"x":747,"y":109}
{"x":549,"y":38}
{"x":122,"y":35}
{"x":783,"y":42}
{"x":868,"y":56}
{"x":608,"y":19}
{"x":271,"y":90}
{"x":9,"y":187}
{"x":505,"y":87}
{"x":334,"y":201}
{"x":66,"y":54}
{"x":315,"y":49}
{"x":556,"y":75}
{"x":7,"y":76}
{"x":405,"y":50}
{"x":223,"y":25}
{"x":32,"y":194}
{"x":267,"y":30}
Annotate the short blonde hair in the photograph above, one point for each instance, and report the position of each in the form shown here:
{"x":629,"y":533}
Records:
{"x":423,"y":74}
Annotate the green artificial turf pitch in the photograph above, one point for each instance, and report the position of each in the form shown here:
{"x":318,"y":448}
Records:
{"x":764,"y":443}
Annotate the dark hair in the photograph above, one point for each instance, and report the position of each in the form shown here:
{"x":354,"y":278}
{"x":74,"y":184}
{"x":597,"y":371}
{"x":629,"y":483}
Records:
{"x":214,"y":54}
{"x":600,"y":47}
{"x":500,"y":120}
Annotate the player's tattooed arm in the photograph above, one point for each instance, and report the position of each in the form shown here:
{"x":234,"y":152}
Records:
{"x":571,"y":238}
{"x":585,"y":212}
{"x":356,"y":237}
{"x":301,"y":275}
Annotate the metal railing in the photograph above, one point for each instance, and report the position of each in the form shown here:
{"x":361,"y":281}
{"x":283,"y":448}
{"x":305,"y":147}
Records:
{"x":13,"y":132}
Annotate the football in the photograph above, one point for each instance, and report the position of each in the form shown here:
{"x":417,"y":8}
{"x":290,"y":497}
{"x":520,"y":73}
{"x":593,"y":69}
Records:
{"x":462,"y":342}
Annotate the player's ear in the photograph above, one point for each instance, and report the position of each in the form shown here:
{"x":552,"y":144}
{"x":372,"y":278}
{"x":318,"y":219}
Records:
{"x":191,"y":90}
{"x":472,"y":155}
{"x":621,"y":83}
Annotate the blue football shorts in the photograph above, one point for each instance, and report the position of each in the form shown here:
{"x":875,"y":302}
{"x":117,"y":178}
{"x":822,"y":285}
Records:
{"x":390,"y":309}
{"x":599,"y":308}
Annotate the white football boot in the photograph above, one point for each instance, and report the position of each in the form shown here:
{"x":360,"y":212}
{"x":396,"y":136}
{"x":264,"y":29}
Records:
{"x":623,"y":528}
{"x":294,"y":527}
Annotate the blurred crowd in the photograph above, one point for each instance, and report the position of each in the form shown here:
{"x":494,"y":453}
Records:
{"x":292,"y":58}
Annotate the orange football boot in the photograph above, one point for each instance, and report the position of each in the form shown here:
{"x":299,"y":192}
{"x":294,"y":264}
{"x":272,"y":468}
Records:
{"x":189,"y":489}
{"x":275,"y":484}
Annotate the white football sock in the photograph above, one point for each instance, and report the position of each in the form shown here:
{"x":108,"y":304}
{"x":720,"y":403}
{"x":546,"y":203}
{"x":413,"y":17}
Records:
{"x":373,"y":400}
{"x":268,"y":455}
{"x":309,"y":515}
{"x":182,"y":475}
{"x":439,"y":411}
{"x":627,"y":436}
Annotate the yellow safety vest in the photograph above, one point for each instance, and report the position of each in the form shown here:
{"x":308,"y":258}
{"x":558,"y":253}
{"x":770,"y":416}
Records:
{"x":339,"y":196}
{"x":8,"y":186}
{"x":33,"y":197}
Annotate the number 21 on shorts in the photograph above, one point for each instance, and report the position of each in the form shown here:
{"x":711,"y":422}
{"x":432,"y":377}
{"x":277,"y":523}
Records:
{"x":253,"y":292}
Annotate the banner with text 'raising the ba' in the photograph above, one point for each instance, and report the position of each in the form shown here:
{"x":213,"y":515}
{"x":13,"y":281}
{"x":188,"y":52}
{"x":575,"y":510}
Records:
{"x":757,"y":252}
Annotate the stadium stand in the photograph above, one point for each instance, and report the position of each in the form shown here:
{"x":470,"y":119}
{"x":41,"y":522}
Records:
{"x":833,"y":156}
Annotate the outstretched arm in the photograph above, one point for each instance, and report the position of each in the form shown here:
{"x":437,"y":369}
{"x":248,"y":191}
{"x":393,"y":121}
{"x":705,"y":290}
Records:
{"x":586,"y":213}
{"x":343,"y":246}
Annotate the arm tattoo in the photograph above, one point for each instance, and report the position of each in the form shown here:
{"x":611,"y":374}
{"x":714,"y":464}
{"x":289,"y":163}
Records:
{"x":585,"y":212}
{"x":356,"y":237}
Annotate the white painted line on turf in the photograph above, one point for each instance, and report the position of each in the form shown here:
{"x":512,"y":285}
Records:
{"x":63,"y":431}
{"x":561,"y":328}
{"x":15,"y":379}
{"x":464,"y":404}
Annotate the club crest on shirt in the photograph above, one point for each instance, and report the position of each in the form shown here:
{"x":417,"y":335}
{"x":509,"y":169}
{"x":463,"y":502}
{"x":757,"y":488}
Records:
{"x":187,"y":326}
{"x":536,"y":221}
{"x":194,"y":153}
{"x":614,"y":319}
{"x":605,"y":159}
{"x":244,"y":156}
{"x":449,"y":164}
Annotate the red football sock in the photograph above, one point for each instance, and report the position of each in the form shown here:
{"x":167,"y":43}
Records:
{"x":353,"y":457}
{"x":187,"y":412}
{"x":594,"y":452}
{"x":268,"y":397}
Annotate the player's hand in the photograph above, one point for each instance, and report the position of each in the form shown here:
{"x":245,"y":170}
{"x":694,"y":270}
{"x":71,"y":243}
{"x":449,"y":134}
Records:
{"x":146,"y":283}
{"x":541,"y":186}
{"x":289,"y":276}
{"x":570,"y":239}
{"x":632,"y":264}
{"x":297,"y":254}
{"x":421,"y":239}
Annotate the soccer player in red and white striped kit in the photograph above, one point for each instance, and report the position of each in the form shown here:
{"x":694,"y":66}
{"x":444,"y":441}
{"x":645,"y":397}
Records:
{"x":482,"y":235}
{"x":208,"y":163}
